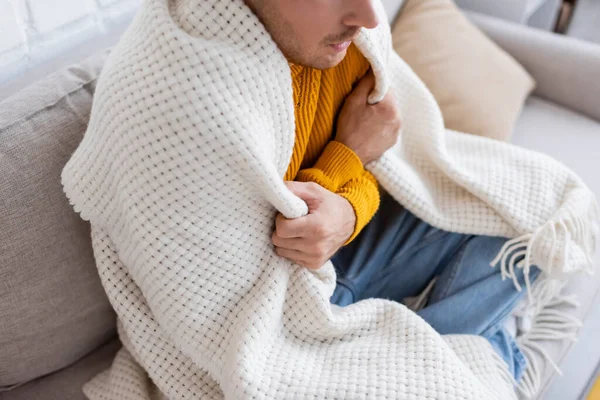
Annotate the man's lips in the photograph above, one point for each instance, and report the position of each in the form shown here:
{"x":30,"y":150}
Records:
{"x":341,"y":46}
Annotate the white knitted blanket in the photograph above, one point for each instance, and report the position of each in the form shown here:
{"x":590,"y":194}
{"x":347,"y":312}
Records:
{"x":180,"y":175}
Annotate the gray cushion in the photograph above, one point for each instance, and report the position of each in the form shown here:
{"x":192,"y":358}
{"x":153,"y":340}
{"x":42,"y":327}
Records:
{"x":66,"y":384}
{"x":52,"y":306}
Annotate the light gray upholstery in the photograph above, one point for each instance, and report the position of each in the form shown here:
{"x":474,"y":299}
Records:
{"x":53,"y":309}
{"x":568,"y":136}
{"x":566,"y":70}
{"x":66,"y":384}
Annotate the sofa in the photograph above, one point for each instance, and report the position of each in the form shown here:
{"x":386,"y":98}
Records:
{"x":57,"y":329}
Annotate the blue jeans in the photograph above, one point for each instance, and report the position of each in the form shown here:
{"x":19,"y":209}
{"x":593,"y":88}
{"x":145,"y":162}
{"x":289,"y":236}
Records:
{"x":397,"y":255}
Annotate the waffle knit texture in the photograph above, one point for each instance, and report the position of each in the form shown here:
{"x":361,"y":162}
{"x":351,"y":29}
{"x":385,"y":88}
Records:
{"x":318,"y":98}
{"x":180,"y":174}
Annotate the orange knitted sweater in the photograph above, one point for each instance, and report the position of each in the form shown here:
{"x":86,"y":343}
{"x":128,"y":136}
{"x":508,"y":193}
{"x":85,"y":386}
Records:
{"x":319,"y":96}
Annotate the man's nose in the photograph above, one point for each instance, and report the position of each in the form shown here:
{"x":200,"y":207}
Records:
{"x":361,"y":13}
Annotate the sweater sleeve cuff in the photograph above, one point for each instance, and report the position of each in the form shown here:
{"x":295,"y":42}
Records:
{"x":363,"y":195}
{"x":337,"y":165}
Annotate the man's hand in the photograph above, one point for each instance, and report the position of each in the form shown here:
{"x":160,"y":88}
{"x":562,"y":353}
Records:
{"x":369,"y":130}
{"x":313,"y":239}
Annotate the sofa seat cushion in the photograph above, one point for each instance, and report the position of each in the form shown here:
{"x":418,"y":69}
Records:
{"x":574,"y":140}
{"x":570,"y":137}
{"x":67,"y":383}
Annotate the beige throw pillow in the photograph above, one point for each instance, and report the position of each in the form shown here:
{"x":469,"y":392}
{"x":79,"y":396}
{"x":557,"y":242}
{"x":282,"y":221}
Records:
{"x":480,"y":88}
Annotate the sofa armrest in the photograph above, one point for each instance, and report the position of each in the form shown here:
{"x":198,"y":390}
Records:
{"x":566,"y":70}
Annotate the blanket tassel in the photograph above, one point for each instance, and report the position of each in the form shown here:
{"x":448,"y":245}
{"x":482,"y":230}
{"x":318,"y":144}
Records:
{"x":545,"y":308}
{"x":551,"y":320}
{"x":581,"y":230}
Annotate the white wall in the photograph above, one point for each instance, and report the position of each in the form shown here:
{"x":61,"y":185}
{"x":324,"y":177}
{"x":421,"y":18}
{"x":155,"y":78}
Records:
{"x":392,"y":7}
{"x":38,"y":37}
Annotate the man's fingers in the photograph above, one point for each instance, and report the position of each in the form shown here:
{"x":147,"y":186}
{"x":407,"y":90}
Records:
{"x":312,"y":193}
{"x":293,"y":255}
{"x":294,"y":243}
{"x":290,"y":228}
{"x":307,"y":191}
{"x":299,"y":258}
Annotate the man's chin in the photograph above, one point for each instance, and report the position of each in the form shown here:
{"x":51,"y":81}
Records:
{"x":329,"y":61}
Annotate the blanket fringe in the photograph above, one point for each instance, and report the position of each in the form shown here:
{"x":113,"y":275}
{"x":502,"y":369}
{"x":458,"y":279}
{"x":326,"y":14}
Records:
{"x":545,"y":313}
{"x":551,"y":321}
{"x":577,"y":228}
{"x":516,"y":248}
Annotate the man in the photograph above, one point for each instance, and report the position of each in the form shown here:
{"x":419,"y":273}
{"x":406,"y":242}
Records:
{"x":378,"y":248}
